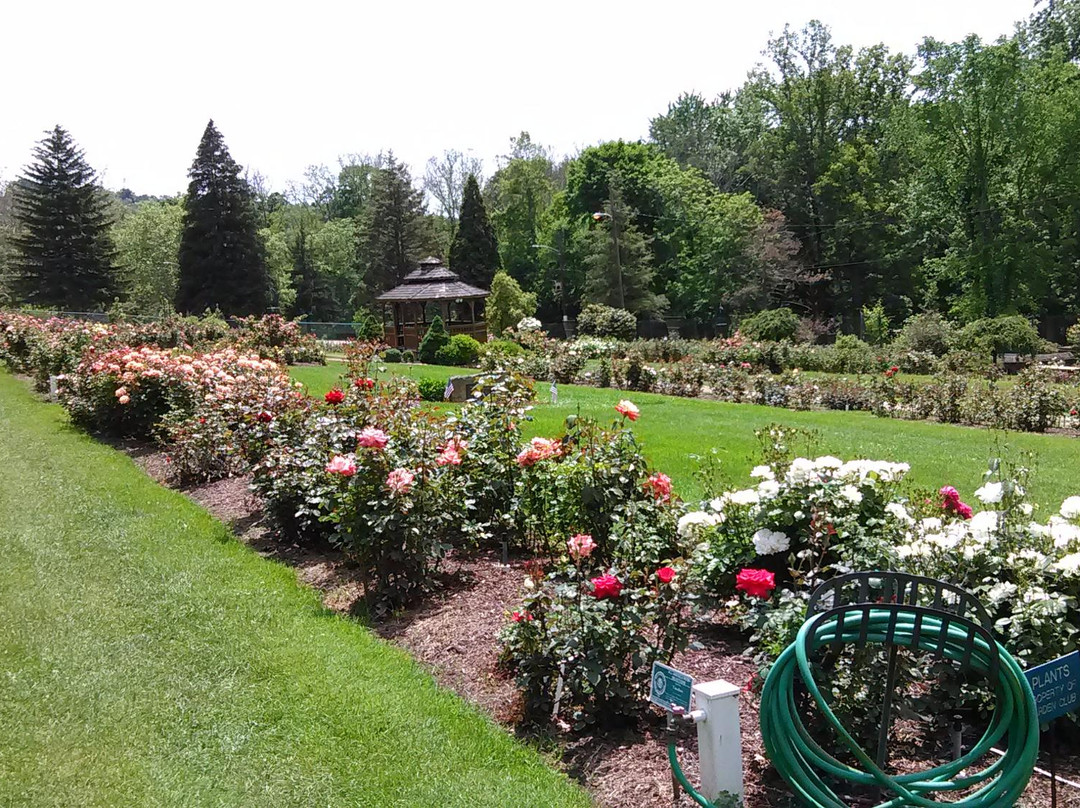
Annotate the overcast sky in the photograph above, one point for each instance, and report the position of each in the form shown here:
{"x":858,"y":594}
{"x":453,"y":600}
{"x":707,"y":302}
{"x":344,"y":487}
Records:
{"x":288,"y":85}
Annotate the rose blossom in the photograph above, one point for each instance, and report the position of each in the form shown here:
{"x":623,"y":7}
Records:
{"x":606,"y":586}
{"x":581,"y":546}
{"x":517,"y":617}
{"x":334,"y":396}
{"x":539,"y":449}
{"x":124,"y":399}
{"x":372,"y":438}
{"x":627,"y":409}
{"x":660,"y":486}
{"x":364,"y":384}
{"x":449,"y":456}
{"x":756,"y":583}
{"x":666,"y":574}
{"x":341,"y":464}
{"x":400,"y":481}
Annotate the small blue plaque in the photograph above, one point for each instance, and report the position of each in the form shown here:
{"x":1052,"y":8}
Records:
{"x":1056,"y":686}
{"x":670,"y":687}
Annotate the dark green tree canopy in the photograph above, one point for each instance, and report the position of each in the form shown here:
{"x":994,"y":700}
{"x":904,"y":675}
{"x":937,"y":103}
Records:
{"x":222,"y":260}
{"x":64,"y":255}
{"x":474,"y":254}
{"x":392,"y":229}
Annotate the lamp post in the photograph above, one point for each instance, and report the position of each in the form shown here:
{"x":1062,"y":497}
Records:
{"x":609,"y":216}
{"x":559,"y":287}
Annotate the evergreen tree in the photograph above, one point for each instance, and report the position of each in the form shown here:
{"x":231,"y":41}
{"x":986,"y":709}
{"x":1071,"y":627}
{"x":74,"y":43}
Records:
{"x":64,"y":256}
{"x":391,"y":228}
{"x":474,"y":255}
{"x":313,"y":294}
{"x":222,"y":259}
{"x":618,"y":261}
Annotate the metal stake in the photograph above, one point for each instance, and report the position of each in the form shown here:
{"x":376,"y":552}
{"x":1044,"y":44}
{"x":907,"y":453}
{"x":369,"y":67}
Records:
{"x":886,"y":707}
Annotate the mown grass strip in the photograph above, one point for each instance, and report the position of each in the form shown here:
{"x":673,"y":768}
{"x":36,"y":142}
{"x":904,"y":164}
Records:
{"x":147,"y":658}
{"x":673,"y":429}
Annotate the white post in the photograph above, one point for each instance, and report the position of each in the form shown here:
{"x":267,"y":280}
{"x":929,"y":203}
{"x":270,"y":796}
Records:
{"x":719,"y":739}
{"x":54,"y":387}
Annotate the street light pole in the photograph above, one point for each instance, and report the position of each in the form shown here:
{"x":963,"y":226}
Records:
{"x":610,"y":216}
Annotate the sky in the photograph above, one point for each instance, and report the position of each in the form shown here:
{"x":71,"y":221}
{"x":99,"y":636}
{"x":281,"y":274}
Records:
{"x":296,"y":84}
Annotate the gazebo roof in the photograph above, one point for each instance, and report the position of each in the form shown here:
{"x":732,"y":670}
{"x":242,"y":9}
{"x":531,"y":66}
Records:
{"x":431,"y":281}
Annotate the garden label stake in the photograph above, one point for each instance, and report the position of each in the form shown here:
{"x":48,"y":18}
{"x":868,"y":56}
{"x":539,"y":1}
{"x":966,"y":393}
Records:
{"x":1056,"y":687}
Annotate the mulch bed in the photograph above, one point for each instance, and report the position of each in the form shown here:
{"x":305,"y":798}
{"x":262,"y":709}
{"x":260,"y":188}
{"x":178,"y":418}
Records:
{"x":454,"y":635}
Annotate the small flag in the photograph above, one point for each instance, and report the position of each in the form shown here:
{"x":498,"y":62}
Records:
{"x":554,"y":394}
{"x":449,"y":390}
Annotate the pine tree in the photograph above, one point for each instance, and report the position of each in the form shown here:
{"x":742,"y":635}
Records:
{"x":619,"y":270}
{"x":314,"y":297}
{"x":391,"y":228}
{"x":222,"y":259}
{"x":64,"y":256}
{"x":474,"y":255}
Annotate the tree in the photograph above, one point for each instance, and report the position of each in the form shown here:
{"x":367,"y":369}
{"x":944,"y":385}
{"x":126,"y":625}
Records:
{"x":446,"y":179}
{"x":507,"y":304}
{"x":222,"y":259}
{"x":64,"y":257}
{"x":314,"y":297}
{"x":391,"y":232}
{"x":147,"y":245}
{"x":519,"y":195}
{"x":474,"y":255}
{"x":618,"y":263}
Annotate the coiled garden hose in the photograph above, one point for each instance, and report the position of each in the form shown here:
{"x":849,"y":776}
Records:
{"x":804,"y":764}
{"x":676,"y":769}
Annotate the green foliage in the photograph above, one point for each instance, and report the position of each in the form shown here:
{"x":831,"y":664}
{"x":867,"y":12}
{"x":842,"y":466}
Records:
{"x":431,"y":389}
{"x":222,"y":261}
{"x":502,"y":348}
{"x":64,"y":257}
{"x":772,"y":324}
{"x":367,"y":326}
{"x":461,"y":351}
{"x":1072,"y":336}
{"x":147,"y":244}
{"x":605,"y":321}
{"x":474,"y":253}
{"x":391,"y":233}
{"x":998,"y":335}
{"x":927,"y":333}
{"x":391,"y":355}
{"x":435,"y":338}
{"x":507,"y":304}
{"x":876,"y":325}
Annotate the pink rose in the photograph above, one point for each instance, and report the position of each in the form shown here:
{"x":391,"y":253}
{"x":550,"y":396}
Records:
{"x":449,"y":457}
{"x":400,"y":481}
{"x":372,"y":438}
{"x":341,"y":464}
{"x":606,"y":586}
{"x":666,"y":574}
{"x":660,"y":486}
{"x":627,"y":409}
{"x":581,"y":546}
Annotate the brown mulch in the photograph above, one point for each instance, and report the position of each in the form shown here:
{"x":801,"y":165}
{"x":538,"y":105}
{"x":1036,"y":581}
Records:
{"x":454,"y":635}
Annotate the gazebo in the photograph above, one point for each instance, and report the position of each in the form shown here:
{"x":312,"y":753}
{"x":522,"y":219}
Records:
{"x":432,"y":290}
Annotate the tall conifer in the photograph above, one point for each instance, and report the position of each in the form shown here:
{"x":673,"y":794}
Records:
{"x":64,"y":257}
{"x":222,"y":259}
{"x":474,"y":255}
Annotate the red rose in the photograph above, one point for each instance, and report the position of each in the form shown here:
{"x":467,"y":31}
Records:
{"x":606,"y":586}
{"x":364,"y":384}
{"x":756,"y":583}
{"x":264,"y":417}
{"x":334,"y":396}
{"x":666,"y":574}
{"x":517,"y":617}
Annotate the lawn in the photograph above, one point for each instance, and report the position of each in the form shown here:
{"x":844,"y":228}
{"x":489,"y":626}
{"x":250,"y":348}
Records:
{"x":148,"y":658}
{"x":672,"y":430}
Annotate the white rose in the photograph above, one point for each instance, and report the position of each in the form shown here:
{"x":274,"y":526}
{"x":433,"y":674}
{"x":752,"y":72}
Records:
{"x":768,"y":542}
{"x":1070,"y":508}
{"x":990,"y":493}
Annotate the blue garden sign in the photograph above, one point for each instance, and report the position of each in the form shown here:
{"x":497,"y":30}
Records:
{"x":1056,"y":686}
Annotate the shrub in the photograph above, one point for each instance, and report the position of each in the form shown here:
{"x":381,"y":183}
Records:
{"x":501,"y":348}
{"x":998,"y":335}
{"x":274,"y":337}
{"x":770,"y":325}
{"x":435,"y":338}
{"x":597,"y":320}
{"x":392,"y":355}
{"x":928,"y":332}
{"x":507,"y":304}
{"x":1072,"y":336}
{"x":462,"y":350}
{"x":408,"y":355}
{"x":876,"y":326}
{"x":1037,"y":403}
{"x":367,"y":326}
{"x":431,"y":389}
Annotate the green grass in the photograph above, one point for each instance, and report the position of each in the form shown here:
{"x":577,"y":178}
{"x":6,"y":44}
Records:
{"x":147,"y":658}
{"x":673,"y":429}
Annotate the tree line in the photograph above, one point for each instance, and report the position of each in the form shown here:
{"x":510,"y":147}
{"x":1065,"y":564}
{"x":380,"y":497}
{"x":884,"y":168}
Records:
{"x":831,"y":181}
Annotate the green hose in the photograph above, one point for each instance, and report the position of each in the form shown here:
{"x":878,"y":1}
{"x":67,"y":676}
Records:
{"x":804,"y":764}
{"x":673,"y":759}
